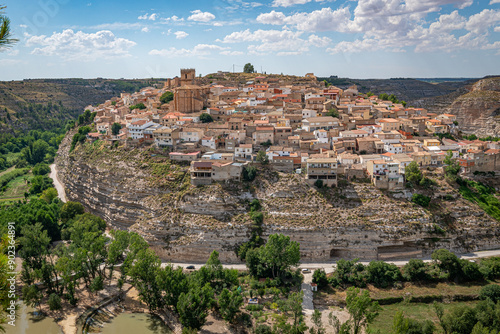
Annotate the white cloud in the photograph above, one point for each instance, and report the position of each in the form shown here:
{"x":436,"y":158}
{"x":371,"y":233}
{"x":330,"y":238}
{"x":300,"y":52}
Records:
{"x":199,"y":50}
{"x":261,"y":35}
{"x":232,"y":53}
{"x":325,"y":19}
{"x":13,"y":52}
{"x":479,"y":23}
{"x":181,"y":34}
{"x":494,"y":1}
{"x":151,"y":17}
{"x":173,"y":18}
{"x":497,"y":29}
{"x":288,"y":3}
{"x":320,"y":42}
{"x":145,"y":29}
{"x":199,"y":16}
{"x":23,"y":26}
{"x":113,"y":26}
{"x":81,"y":46}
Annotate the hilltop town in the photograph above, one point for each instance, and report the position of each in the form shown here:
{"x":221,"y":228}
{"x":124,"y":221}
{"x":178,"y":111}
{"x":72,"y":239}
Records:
{"x":296,"y":125}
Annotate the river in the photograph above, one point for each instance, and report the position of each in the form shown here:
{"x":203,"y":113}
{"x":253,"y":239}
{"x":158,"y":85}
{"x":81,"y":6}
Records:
{"x":27,"y":323}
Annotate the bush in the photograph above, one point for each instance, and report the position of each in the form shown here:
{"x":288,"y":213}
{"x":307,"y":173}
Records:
{"x":318,"y":184}
{"x":319,"y":277}
{"x":415,"y":270}
{"x":263,"y":329}
{"x":421,"y":200}
{"x":249,"y":173}
{"x":491,"y":291}
{"x":382,"y":274}
{"x":470,"y":271}
{"x":490,"y":268}
{"x":41,"y":169}
{"x":54,"y":302}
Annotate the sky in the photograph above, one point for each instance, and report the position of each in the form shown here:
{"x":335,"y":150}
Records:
{"x":346,"y":38}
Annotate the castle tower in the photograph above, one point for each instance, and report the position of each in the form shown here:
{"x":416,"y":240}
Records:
{"x":187,"y":76}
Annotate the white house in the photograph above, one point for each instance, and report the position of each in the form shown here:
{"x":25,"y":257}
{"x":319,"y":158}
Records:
{"x":136,"y":129}
{"x":244,"y":151}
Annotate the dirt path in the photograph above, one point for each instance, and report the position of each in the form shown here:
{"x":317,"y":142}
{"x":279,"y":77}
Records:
{"x":57,"y":184}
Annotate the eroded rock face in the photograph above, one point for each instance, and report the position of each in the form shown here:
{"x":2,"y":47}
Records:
{"x":184,"y":224}
{"x":478,"y":112}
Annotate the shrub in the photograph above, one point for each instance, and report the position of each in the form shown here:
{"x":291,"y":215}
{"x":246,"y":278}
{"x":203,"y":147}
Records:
{"x":421,"y":200}
{"x":54,"y":302}
{"x":490,"y":268}
{"x":318,"y":184}
{"x":263,"y":329}
{"x":415,"y":270}
{"x":381,"y":274}
{"x":491,"y":291}
{"x":319,"y":277}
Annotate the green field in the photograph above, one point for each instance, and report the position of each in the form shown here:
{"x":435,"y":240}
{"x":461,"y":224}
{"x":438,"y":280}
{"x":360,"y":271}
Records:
{"x":16,"y":188}
{"x":418,"y":311}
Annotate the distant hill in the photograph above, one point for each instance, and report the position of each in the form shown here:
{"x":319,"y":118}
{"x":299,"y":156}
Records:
{"x":46,"y":104}
{"x":413,"y":91}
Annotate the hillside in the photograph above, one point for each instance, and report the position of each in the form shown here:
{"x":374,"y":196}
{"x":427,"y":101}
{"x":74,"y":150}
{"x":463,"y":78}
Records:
{"x":413,"y":91}
{"x":143,"y":191}
{"x":478,"y":109}
{"x":47,"y":104}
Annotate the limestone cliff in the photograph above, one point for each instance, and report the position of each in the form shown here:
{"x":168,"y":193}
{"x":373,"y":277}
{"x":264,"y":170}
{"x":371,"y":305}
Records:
{"x":145,"y":192}
{"x":478,"y":111}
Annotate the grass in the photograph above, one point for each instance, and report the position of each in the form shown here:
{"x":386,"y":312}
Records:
{"x":417,"y":311}
{"x":482,"y":196}
{"x":12,"y":156}
{"x":16,"y":188}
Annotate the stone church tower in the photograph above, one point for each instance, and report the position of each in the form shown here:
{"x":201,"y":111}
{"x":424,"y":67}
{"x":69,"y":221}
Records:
{"x":188,"y":98}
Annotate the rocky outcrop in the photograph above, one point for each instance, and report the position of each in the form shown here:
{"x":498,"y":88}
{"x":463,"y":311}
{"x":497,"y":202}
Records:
{"x":478,"y":111}
{"x":145,"y":192}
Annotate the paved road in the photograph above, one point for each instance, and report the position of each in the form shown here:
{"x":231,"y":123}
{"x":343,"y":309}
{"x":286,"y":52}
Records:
{"x":57,"y":184}
{"x":328,"y":266}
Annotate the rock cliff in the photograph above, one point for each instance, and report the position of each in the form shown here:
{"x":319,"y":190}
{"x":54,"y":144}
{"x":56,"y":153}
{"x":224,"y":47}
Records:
{"x":478,"y":111}
{"x":145,"y":192}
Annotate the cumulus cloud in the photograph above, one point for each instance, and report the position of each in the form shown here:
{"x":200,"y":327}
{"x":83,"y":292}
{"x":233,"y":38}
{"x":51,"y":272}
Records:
{"x":288,"y":3}
{"x":481,"y":22}
{"x":281,"y":41}
{"x":145,"y":29}
{"x":232,"y":53}
{"x":199,"y":16}
{"x":325,"y":19}
{"x":81,"y":46}
{"x":151,"y":17}
{"x":199,"y":50}
{"x":494,"y":1}
{"x":173,"y":18}
{"x":181,"y":34}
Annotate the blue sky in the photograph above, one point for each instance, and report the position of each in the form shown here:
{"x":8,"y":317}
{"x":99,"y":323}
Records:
{"x":358,"y":39}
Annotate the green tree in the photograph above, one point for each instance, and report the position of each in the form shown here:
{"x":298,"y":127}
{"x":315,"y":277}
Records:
{"x":452,"y":167}
{"x":206,"y":118}
{"x":49,"y":195}
{"x":70,"y":210}
{"x":415,"y":270}
{"x":140,"y":106}
{"x":362,"y":310}
{"x":115,"y":129}
{"x":413,"y":173}
{"x":143,"y":274}
{"x":54,"y":302}
{"x":193,"y":306}
{"x":262,"y":157}
{"x":6,"y":39}
{"x":280,"y":253}
{"x":332,"y":112}
{"x":491,"y":291}
{"x":404,"y":325}
{"x":31,"y":295}
{"x":229,"y":304}
{"x":318,"y":323}
{"x":41,"y":169}
{"x":249,"y":173}
{"x":248,"y":68}
{"x":35,"y":152}
{"x":447,"y":262}
{"x":319,"y":278}
{"x":166,"y":97}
